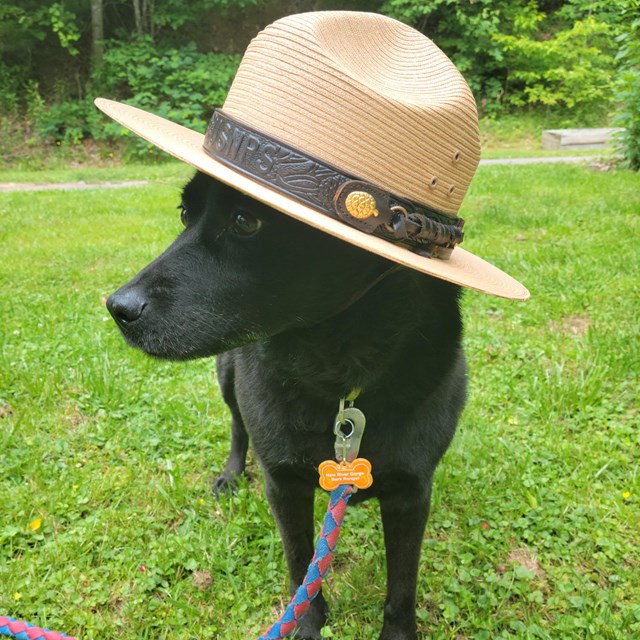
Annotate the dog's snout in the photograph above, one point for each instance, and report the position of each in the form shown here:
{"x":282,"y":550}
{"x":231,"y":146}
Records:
{"x":126,"y":306}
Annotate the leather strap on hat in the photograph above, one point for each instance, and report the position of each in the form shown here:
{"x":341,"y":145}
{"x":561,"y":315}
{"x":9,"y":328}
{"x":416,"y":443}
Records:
{"x":331,"y":191}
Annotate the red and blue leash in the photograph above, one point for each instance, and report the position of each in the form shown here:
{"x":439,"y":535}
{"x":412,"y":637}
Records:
{"x":318,"y":568}
{"x":298,"y":606}
{"x":24,"y":631}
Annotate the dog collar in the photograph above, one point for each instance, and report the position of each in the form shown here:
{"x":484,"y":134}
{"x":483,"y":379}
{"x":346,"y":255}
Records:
{"x":327,"y":189}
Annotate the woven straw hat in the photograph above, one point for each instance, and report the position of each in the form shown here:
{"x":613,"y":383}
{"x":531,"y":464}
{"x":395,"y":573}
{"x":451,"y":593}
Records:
{"x":355,"y":124}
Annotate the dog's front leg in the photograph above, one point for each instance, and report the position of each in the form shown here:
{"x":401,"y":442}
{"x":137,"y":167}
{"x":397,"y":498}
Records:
{"x":236,"y":462}
{"x":237,"y":459}
{"x":404,"y":517}
{"x":292,"y":505}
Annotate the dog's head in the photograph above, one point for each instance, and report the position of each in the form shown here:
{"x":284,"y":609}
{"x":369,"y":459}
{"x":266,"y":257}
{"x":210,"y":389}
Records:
{"x":239,"y":272}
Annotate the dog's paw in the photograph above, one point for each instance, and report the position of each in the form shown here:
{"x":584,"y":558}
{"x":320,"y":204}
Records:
{"x":225,"y":485}
{"x":310,"y":625}
{"x":305,"y":633}
{"x":390,"y":632}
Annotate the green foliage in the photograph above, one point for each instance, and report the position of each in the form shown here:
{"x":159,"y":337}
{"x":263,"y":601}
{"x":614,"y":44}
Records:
{"x":64,"y":25}
{"x":181,"y":84}
{"x":22,"y":23}
{"x":517,"y":53}
{"x":174,"y":14}
{"x":34,"y":102}
{"x":70,"y":122}
{"x":465,"y":31}
{"x":572,"y":68}
{"x":9,"y":88}
{"x":628,"y":83}
{"x":21,"y":27}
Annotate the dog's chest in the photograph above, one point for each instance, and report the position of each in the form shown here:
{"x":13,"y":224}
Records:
{"x":284,"y":436}
{"x":297,"y":440}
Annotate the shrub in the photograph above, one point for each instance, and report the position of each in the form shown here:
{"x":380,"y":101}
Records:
{"x":628,"y":82}
{"x":9,"y":88}
{"x":464,"y":31}
{"x":525,"y":52}
{"x":69,"y":122}
{"x":181,"y":84}
{"x":571,"y":69}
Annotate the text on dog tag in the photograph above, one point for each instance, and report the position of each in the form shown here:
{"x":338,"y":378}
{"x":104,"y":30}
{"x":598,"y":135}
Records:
{"x":356,"y":473}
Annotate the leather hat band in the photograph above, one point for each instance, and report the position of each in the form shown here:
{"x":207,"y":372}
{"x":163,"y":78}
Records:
{"x":331,"y":191}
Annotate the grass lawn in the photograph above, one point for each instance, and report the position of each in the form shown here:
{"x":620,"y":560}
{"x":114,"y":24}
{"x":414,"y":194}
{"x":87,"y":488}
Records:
{"x":163,"y":172}
{"x":520,"y":134}
{"x":109,"y":529}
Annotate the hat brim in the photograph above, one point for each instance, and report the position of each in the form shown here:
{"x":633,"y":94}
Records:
{"x":462,"y":268}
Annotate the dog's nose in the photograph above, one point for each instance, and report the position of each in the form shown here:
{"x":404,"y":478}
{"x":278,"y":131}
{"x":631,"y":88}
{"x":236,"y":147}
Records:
{"x":126,"y":306}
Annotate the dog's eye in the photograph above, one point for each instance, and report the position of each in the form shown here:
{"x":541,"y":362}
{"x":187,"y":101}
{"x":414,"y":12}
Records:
{"x":245,"y":224}
{"x":184,"y":216}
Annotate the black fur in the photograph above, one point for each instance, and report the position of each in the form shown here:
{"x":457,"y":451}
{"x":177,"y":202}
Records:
{"x":299,"y":319}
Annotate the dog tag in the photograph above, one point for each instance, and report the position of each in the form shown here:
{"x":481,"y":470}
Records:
{"x":356,"y":473}
{"x":348,"y":429}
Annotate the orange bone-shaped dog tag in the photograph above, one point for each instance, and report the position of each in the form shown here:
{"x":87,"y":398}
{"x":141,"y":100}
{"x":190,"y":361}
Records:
{"x":357,"y":473}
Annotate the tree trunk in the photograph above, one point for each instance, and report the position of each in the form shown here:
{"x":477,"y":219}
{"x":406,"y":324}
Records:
{"x":97,"y":31}
{"x":137,"y":13}
{"x":143,"y":15}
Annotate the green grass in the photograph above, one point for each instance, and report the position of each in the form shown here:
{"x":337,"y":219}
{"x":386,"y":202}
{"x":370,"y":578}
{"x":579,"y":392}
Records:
{"x":108,"y":526}
{"x":162,"y":171}
{"x":520,"y":135}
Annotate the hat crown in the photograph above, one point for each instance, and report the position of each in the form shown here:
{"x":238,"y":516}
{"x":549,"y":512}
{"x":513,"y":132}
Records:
{"x":367,"y":94}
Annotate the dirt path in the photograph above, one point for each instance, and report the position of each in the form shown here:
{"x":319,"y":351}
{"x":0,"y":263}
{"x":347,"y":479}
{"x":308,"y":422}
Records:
{"x":540,"y":160}
{"x":7,"y":187}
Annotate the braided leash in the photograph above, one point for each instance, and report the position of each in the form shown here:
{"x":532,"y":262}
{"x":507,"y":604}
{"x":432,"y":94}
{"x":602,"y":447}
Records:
{"x":318,"y":568}
{"x":23,"y":631}
{"x":298,"y":606}
{"x":346,"y":449}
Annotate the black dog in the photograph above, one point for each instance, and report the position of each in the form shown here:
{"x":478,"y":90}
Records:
{"x":300,"y":319}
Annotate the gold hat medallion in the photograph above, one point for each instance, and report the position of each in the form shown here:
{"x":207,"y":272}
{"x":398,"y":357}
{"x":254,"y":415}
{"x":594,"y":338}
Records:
{"x":361,"y":205}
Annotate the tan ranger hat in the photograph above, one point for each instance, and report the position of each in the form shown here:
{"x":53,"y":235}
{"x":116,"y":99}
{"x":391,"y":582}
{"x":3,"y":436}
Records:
{"x":355,"y":124}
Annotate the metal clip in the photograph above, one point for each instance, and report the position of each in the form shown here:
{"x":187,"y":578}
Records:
{"x":348,"y":429}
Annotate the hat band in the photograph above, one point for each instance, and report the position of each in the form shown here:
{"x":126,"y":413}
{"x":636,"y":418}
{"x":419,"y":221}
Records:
{"x":329,"y":190}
